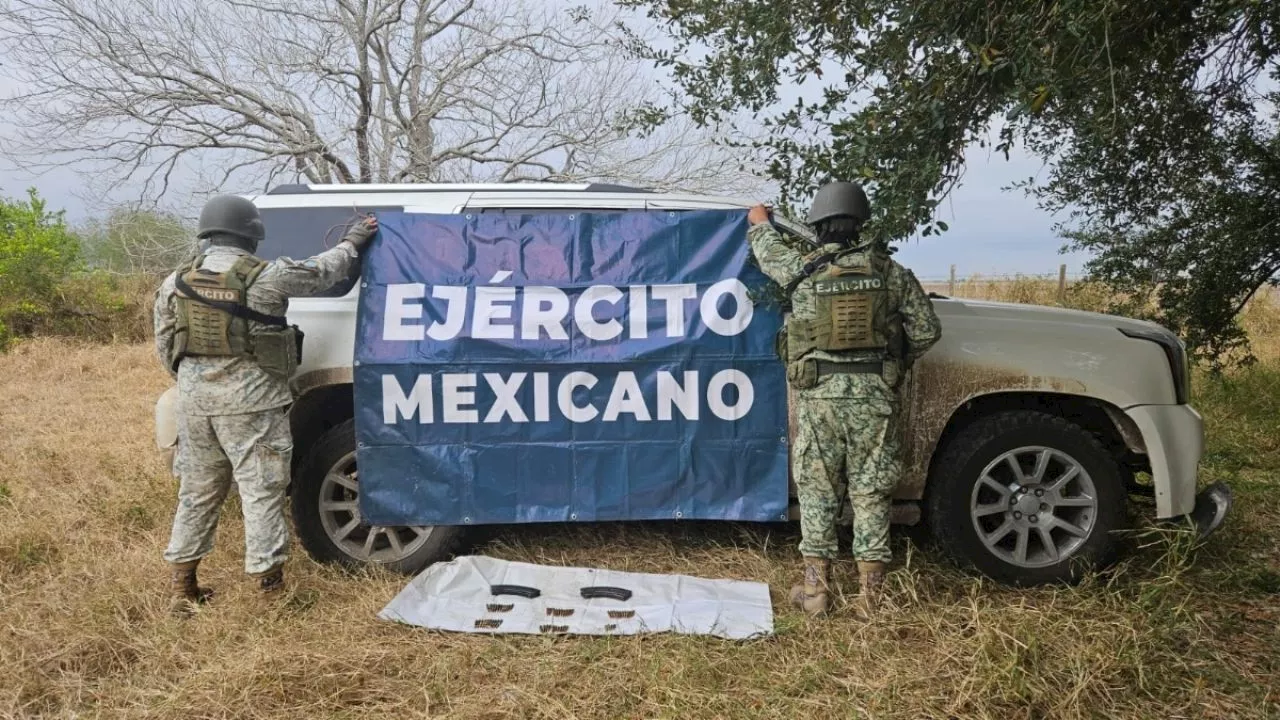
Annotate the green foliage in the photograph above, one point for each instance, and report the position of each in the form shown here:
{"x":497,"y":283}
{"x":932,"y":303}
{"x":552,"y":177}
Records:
{"x":45,"y":287}
{"x":36,"y":252}
{"x":1246,"y":411}
{"x":1161,"y":148}
{"x":1195,"y":233}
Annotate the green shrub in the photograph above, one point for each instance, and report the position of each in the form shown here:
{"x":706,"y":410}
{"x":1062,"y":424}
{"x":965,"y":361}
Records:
{"x":37,"y":252}
{"x":47,"y":289}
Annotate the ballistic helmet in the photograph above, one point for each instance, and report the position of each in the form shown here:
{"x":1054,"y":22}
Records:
{"x":840,"y":200}
{"x":231,"y":215}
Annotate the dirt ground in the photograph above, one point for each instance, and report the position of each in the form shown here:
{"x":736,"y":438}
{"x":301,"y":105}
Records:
{"x":85,"y":506}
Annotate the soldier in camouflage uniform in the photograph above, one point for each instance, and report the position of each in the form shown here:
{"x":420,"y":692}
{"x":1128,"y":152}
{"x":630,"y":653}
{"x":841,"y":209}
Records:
{"x":220,"y":331}
{"x":859,"y":320}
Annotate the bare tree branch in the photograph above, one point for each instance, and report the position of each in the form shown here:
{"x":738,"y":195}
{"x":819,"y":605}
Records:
{"x":342,"y":91}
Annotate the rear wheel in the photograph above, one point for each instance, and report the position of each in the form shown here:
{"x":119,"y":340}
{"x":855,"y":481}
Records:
{"x":1027,"y":498}
{"x":326,"y":514}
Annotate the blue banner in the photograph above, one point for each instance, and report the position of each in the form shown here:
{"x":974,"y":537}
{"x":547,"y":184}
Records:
{"x":515,"y":368}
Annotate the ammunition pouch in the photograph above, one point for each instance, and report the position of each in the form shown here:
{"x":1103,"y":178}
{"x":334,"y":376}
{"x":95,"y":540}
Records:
{"x":278,"y":350}
{"x":802,"y":374}
{"x":799,"y":339}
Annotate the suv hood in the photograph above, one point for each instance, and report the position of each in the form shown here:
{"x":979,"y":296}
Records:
{"x":1040,"y":314}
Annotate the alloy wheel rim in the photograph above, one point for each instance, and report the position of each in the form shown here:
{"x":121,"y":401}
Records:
{"x":340,"y":516}
{"x":1034,"y":506}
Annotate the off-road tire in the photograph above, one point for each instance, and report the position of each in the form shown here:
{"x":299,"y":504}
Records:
{"x":328,"y":450}
{"x":959,"y":469}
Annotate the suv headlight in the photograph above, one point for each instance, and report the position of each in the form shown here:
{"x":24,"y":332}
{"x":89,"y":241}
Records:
{"x":1176,"y":352}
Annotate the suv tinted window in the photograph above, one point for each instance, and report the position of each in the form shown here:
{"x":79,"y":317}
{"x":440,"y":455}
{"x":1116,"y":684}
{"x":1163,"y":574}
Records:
{"x":299,"y":233}
{"x":549,"y":210}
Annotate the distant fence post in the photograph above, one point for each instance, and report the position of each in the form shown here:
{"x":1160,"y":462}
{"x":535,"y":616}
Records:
{"x":1062,"y":284}
{"x":951,"y":286}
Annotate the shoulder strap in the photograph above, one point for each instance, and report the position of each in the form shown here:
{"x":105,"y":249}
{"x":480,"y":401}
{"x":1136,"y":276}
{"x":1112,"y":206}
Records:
{"x":249,"y":268}
{"x":810,"y":267}
{"x":887,"y":267}
{"x":881,"y":261}
{"x":191,"y":265}
{"x":241,"y":311}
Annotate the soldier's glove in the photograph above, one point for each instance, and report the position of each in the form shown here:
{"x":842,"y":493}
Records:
{"x":361,"y":233}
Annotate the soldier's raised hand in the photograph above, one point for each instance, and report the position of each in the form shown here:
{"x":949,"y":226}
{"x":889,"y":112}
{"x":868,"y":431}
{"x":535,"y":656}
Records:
{"x":758,"y":214}
{"x":362,"y":232}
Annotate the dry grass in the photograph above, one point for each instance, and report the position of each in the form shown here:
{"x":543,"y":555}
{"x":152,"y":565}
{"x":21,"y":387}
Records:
{"x":84,"y":513}
{"x":1260,"y":318}
{"x":1030,"y":289}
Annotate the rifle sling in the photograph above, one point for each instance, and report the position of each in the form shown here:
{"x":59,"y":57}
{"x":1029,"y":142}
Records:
{"x":810,"y":268}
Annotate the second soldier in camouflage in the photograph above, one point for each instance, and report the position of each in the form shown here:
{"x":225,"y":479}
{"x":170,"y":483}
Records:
{"x":858,"y":322}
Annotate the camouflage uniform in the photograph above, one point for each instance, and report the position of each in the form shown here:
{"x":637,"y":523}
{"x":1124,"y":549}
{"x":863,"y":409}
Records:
{"x":846,"y":423}
{"x":233,"y":416}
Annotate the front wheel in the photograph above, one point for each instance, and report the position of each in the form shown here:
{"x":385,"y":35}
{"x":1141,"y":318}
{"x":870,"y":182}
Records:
{"x":326,"y":514}
{"x":1027,"y":498}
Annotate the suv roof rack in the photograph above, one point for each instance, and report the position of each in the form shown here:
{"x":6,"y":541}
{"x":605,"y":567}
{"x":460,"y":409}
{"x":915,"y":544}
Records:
{"x":292,"y":189}
{"x":304,"y":189}
{"x":615,"y":188}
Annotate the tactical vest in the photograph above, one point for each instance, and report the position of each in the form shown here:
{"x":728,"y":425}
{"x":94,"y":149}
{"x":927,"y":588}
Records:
{"x":854,"y":312}
{"x":214,"y":319}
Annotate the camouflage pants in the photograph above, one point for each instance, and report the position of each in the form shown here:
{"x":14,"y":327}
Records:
{"x":255,"y":449}
{"x":839,"y":439}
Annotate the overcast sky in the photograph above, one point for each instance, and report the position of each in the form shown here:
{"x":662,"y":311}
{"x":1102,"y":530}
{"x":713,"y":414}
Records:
{"x":992,"y":231}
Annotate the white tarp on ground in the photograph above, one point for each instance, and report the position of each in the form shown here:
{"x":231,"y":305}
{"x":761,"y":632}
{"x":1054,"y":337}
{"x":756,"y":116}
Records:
{"x":456,"y":596}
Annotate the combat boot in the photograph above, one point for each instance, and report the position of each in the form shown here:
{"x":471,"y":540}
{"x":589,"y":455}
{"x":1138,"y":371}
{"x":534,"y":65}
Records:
{"x":271,"y":581}
{"x":186,"y":590}
{"x":871,"y":579}
{"x":811,"y":596}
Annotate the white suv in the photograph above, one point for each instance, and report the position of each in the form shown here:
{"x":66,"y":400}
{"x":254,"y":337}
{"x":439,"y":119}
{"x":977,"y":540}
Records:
{"x":1025,"y":427}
